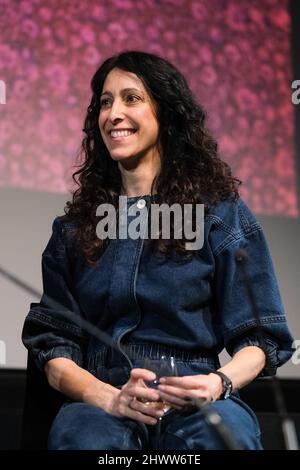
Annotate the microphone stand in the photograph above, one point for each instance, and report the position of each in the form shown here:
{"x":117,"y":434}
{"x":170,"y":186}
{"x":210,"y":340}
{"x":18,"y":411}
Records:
{"x":287,"y":425}
{"x":213,"y":418}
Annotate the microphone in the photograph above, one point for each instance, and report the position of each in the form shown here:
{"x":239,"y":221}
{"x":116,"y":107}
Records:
{"x":288,"y":426}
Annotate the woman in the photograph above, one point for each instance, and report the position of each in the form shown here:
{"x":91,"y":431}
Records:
{"x":146,"y":139}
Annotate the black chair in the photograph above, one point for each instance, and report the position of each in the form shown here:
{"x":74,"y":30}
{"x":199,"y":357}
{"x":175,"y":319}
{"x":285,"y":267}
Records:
{"x":41,"y":405}
{"x":12,"y":393}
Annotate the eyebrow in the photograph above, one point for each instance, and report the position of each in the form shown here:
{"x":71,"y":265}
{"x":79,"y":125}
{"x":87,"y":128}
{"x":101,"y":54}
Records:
{"x":122,"y":91}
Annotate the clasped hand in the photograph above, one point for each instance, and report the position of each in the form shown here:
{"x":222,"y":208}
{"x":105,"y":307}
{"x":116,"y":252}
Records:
{"x":137,"y":401}
{"x":183,"y":392}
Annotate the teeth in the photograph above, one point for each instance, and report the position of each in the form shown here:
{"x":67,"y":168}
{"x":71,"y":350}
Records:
{"x":121,"y":133}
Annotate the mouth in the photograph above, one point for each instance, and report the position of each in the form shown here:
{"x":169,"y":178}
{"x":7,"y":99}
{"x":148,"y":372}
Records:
{"x":117,"y":136}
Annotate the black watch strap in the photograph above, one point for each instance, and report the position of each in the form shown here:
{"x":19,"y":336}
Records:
{"x":227,"y":384}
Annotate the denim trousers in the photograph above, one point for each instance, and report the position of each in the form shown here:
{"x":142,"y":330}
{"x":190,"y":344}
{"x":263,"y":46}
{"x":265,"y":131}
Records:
{"x":80,"y":426}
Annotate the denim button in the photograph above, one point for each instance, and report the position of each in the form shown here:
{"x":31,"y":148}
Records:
{"x":141,"y":203}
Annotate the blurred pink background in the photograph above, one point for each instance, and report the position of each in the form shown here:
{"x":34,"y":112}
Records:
{"x":235,"y":55}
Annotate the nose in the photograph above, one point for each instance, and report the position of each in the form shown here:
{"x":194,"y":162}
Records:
{"x":116,"y":111}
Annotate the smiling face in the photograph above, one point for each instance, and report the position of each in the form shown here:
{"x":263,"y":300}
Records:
{"x":127,"y":119}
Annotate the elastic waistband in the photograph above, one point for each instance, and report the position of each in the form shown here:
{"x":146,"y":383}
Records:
{"x":136,"y":352}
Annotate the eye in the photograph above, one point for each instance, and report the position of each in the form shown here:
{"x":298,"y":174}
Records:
{"x":104,"y":102}
{"x":132,"y":96}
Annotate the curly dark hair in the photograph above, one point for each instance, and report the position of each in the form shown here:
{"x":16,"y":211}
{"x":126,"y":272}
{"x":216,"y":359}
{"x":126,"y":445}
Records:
{"x":190,"y":170}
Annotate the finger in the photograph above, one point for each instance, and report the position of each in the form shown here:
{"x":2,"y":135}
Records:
{"x":144,"y":393}
{"x":183,"y":382}
{"x":128,"y":412}
{"x":142,"y":374}
{"x":176,"y":391}
{"x":147,"y":408}
{"x":142,"y":418}
{"x":202,"y":396}
{"x":175,"y":401}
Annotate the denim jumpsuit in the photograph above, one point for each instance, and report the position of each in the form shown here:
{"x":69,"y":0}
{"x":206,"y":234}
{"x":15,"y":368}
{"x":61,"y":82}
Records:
{"x":150,"y":305}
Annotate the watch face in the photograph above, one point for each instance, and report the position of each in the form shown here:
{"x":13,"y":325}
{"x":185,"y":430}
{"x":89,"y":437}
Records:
{"x":226,"y":383}
{"x":227,"y":390}
{"x":227,"y":393}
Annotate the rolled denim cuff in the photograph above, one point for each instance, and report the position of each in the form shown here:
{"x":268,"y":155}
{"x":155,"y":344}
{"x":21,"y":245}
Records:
{"x":270,"y":349}
{"x":60,"y":351}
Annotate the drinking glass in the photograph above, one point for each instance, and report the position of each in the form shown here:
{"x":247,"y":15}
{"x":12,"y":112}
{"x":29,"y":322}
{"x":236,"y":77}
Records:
{"x":164,"y":366}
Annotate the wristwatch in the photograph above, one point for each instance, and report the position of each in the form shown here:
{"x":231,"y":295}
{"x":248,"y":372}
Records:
{"x":227,"y":384}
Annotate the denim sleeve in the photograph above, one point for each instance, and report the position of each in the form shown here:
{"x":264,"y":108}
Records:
{"x":236,"y":318}
{"x":49,"y":329}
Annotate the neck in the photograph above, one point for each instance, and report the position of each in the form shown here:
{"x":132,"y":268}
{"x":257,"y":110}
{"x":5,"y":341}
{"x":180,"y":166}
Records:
{"x":137,"y":180}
